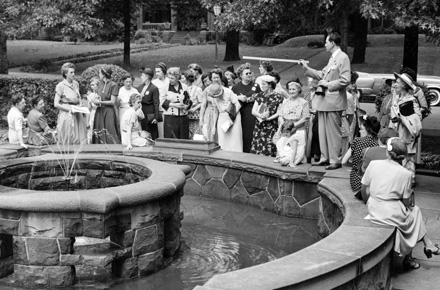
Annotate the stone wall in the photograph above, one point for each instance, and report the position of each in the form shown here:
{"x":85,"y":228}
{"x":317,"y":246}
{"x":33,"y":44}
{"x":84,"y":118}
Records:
{"x":38,"y":228}
{"x":43,"y":242}
{"x":287,"y":197}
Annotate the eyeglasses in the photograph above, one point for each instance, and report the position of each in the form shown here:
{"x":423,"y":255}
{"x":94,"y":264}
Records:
{"x":248,"y":73}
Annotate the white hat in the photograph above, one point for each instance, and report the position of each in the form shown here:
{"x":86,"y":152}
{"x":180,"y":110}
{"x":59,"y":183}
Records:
{"x":406,"y":79}
{"x":267,"y":79}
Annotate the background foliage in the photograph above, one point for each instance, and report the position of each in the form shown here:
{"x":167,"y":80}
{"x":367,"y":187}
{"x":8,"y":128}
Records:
{"x":44,"y":87}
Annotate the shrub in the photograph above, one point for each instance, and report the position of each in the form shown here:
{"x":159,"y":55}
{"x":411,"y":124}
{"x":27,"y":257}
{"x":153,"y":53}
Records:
{"x":144,"y":40}
{"x":44,"y":87}
{"x":154,"y":35}
{"x":191,"y":40}
{"x":430,"y":161}
{"x":29,"y":87}
{"x":142,"y":34}
{"x":156,"y":39}
{"x":91,"y":72}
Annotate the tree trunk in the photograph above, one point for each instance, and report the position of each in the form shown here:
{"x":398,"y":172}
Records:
{"x":411,"y":47}
{"x":127,"y":23}
{"x":360,"y":38}
{"x":344,"y":31}
{"x":3,"y":54}
{"x":232,"y":44}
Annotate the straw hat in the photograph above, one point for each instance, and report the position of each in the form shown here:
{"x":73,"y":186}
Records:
{"x":267,"y":79}
{"x":214,"y":90}
{"x":406,"y":79}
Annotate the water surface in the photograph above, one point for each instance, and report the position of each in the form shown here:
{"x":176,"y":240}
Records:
{"x":219,"y":237}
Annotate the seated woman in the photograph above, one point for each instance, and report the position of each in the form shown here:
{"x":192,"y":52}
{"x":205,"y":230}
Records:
{"x":39,"y":132}
{"x":370,"y":126}
{"x":16,"y":121}
{"x":387,"y":187}
{"x":291,"y":146}
{"x":132,"y":135}
{"x":377,"y":153}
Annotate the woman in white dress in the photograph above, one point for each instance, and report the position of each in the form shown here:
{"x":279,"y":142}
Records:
{"x":387,"y":187}
{"x":124,"y":94}
{"x":406,"y":118}
{"x":16,"y":121}
{"x":229,"y":120}
{"x":132,"y":134}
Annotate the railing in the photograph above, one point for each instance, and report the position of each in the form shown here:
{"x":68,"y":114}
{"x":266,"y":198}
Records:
{"x":156,"y":26}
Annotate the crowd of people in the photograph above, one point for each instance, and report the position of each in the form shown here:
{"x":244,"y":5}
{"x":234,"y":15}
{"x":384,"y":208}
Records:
{"x":243,"y":113}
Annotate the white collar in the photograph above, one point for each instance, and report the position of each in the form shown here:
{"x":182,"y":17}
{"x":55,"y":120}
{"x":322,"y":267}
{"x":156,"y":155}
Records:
{"x":335,"y":53}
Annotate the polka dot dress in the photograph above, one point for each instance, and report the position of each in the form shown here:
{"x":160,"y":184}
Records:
{"x":357,"y":146}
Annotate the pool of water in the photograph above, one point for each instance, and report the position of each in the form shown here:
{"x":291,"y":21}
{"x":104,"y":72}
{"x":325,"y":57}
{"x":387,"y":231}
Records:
{"x":219,"y":237}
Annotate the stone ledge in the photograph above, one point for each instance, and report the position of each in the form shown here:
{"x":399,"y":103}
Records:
{"x":164,"y":181}
{"x":355,"y":248}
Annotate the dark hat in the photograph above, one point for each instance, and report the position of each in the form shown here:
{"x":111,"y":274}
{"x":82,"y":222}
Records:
{"x":389,"y":82}
{"x":147,"y":71}
{"x":107,"y":70}
{"x":162,"y":66}
{"x":214,"y":90}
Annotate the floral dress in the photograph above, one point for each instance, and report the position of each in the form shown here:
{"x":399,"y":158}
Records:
{"x":264,"y":131}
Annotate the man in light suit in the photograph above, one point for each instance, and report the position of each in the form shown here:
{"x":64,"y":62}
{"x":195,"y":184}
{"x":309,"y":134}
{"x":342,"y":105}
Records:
{"x":333,"y":80}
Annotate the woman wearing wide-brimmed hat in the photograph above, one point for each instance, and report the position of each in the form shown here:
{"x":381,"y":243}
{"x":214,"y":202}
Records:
{"x":229,"y":120}
{"x":406,"y":118}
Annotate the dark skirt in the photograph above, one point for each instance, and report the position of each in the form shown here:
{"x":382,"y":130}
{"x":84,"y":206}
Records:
{"x":105,"y":126}
{"x":176,"y":127}
{"x":315,"y":149}
{"x":248,"y":125}
{"x":146,"y":125}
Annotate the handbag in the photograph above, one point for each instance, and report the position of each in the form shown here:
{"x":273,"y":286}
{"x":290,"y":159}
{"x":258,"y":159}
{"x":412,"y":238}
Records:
{"x":198,"y":135}
{"x":151,"y":117}
{"x":407,"y":108}
{"x":345,"y":127}
{"x":276,"y":137}
{"x":232,"y":112}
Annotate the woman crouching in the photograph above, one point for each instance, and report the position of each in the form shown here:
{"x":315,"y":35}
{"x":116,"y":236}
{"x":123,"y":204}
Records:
{"x":132,"y":135}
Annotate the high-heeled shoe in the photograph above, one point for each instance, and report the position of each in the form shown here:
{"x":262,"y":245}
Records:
{"x":410,"y":264}
{"x":429,"y":252}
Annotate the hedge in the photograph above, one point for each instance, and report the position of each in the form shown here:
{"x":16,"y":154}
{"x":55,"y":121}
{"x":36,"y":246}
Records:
{"x":32,"y":86}
{"x":94,"y":55}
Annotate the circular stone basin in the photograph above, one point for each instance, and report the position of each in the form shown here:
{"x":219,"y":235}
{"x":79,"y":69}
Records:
{"x":134,"y":201}
{"x":65,"y":175}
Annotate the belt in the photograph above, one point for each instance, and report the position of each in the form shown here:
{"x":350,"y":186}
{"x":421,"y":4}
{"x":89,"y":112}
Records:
{"x":175,"y":112}
{"x":70,"y":103}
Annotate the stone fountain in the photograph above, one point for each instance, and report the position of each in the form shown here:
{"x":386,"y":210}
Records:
{"x":134,"y":201}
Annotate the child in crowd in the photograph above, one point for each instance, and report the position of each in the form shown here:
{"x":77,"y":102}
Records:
{"x":91,"y":98}
{"x":291,"y":145}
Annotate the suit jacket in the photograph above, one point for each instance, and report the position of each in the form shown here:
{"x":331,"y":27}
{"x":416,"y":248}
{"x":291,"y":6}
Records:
{"x":338,"y":74}
{"x":150,"y":100}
